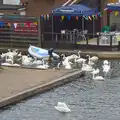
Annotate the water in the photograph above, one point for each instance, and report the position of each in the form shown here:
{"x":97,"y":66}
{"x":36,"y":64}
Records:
{"x":88,"y":100}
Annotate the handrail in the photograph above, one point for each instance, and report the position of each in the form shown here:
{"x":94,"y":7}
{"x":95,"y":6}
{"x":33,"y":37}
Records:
{"x":73,"y":2}
{"x":67,"y":2}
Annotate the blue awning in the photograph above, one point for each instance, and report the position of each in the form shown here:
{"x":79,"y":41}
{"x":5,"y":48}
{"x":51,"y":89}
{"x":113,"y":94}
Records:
{"x":113,"y":6}
{"x":74,"y":10}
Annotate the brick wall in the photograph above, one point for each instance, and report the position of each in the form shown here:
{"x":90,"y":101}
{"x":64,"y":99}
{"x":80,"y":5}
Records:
{"x":40,"y":7}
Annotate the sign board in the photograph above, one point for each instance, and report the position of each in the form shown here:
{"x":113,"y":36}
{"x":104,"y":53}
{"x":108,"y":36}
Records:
{"x":26,"y":27}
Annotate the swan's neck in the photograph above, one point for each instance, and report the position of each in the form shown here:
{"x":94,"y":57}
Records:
{"x":88,"y":57}
{"x":43,"y":62}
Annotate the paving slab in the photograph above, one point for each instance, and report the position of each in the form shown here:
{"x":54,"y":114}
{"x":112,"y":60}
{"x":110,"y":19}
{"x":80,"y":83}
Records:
{"x":16,"y":80}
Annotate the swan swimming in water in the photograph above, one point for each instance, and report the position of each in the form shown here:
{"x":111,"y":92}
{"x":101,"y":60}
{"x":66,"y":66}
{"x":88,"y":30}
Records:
{"x":97,"y":77}
{"x":86,"y":67}
{"x":93,"y":58}
{"x":106,"y":67}
{"x":95,"y":71}
{"x":90,"y":62}
{"x":62,"y":107}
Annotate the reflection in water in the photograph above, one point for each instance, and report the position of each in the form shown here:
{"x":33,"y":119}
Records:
{"x":87,"y":99}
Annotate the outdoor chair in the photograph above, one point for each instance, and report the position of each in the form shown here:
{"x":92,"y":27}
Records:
{"x":63,"y":34}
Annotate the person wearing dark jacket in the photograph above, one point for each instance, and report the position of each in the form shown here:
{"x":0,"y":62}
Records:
{"x":113,"y":27}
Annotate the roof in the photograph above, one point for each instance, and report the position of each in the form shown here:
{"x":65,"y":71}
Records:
{"x":113,"y":6}
{"x":74,"y":10}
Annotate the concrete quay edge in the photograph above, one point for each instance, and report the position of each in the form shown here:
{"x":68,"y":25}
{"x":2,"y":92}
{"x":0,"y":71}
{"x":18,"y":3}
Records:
{"x":41,"y":88}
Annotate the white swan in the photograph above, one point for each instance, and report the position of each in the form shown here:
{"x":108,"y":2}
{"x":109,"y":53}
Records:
{"x":106,"y":68}
{"x":9,"y":59}
{"x":43,"y":66}
{"x":93,"y":58}
{"x":89,"y":60}
{"x":79,"y":60}
{"x":86,"y":68}
{"x":105,"y":62}
{"x":68,"y":65}
{"x":97,"y":77}
{"x":37,"y":62}
{"x":26,"y":61}
{"x":6,"y":64}
{"x":62,"y":107}
{"x":15,"y":65}
{"x":95,"y":71}
{"x":68,"y":58}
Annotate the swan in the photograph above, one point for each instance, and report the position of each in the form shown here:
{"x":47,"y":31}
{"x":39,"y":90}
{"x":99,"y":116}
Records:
{"x":105,"y":62}
{"x":25,"y":60}
{"x":93,"y":58}
{"x":86,"y":67}
{"x":89,"y":60}
{"x":79,"y":60}
{"x":68,"y":58}
{"x":15,"y":52}
{"x":20,"y":54}
{"x":68,"y":65}
{"x":62,"y":107}
{"x":15,"y":65}
{"x":97,"y":77}
{"x":37,"y":62}
{"x":106,"y":67}
{"x":95,"y":71}
{"x":43,"y":66}
{"x":9,"y":59}
{"x":6,"y":64}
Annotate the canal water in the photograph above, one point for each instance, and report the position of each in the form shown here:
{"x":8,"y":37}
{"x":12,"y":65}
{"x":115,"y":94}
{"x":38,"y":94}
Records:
{"x":87,"y":99}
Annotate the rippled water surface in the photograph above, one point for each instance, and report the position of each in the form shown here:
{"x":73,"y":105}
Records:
{"x":88,"y":100}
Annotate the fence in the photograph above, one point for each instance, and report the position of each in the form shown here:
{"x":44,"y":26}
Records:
{"x":19,"y":32}
{"x":84,"y":41}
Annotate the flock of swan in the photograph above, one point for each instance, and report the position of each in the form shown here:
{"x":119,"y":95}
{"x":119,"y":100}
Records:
{"x":15,"y":58}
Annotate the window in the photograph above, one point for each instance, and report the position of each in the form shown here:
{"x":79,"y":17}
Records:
{"x":11,"y":2}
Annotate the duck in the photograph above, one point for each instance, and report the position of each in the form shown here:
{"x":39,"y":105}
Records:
{"x":97,"y":77}
{"x":62,"y":107}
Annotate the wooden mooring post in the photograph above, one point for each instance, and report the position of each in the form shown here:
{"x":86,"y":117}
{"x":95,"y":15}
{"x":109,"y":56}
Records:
{"x":39,"y":32}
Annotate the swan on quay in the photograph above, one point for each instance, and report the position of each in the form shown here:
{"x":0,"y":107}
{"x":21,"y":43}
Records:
{"x":62,"y":107}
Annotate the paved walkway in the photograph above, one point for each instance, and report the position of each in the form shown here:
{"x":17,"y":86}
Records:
{"x":16,"y":80}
